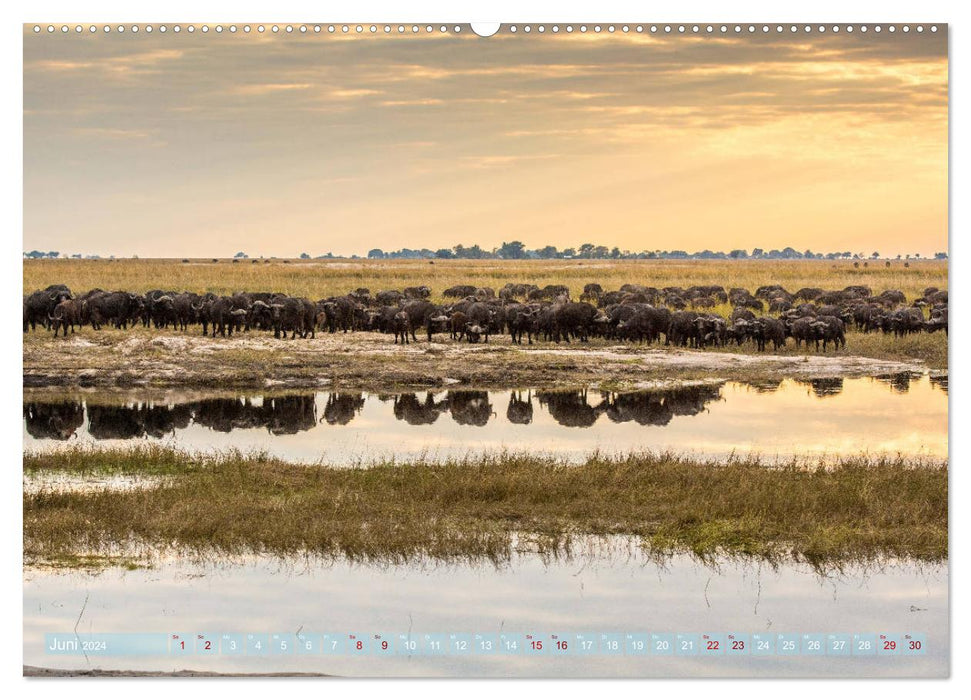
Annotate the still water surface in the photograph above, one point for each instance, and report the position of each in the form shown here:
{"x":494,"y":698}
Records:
{"x":902,"y":414}
{"x":612,"y":588}
{"x":612,"y":591}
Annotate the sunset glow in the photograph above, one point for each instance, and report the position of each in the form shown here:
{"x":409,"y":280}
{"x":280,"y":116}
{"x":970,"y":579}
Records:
{"x":204,"y":145}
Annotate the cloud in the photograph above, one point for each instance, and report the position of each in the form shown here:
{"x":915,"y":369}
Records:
{"x":115,"y":134}
{"x":424,"y":102}
{"x":267,"y":88}
{"x":496,"y":161}
{"x":55,"y":65}
{"x":122,"y":66}
{"x":546,"y":120}
{"x":352,"y":93}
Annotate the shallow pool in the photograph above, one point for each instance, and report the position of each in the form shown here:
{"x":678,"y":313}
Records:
{"x":901,"y":414}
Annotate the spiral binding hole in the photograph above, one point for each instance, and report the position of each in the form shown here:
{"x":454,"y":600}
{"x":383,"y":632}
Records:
{"x":390,"y":29}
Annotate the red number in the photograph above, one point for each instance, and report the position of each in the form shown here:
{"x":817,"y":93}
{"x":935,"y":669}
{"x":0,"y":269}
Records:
{"x":208,"y":646}
{"x":562,"y":645}
{"x":889,"y":645}
{"x":738,"y":645}
{"x":360,"y":645}
{"x":915,"y":645}
{"x":537,"y":645}
{"x":182,"y":644}
{"x":384,"y":645}
{"x":713,"y":645}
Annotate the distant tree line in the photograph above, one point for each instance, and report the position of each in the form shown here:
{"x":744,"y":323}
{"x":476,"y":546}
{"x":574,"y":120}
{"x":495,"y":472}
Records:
{"x":516,"y":250}
{"x":35,"y":254}
{"x":53,"y":254}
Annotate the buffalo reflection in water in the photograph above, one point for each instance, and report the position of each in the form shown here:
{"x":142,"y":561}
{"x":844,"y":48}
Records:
{"x":291,"y":414}
{"x":899,"y":382}
{"x":470,"y":407}
{"x":658,"y":407}
{"x":53,"y":421}
{"x":520,"y":411}
{"x":285,"y":415}
{"x":466,"y":408}
{"x":227,"y":415}
{"x":294,"y":413}
{"x":570,"y":408}
{"x":128,"y":422}
{"x":342,"y":408}
{"x":824,"y":386}
{"x":768,"y":385}
{"x":408,"y":408}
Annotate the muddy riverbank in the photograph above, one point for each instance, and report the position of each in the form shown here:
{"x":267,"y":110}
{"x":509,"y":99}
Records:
{"x":142,"y":358}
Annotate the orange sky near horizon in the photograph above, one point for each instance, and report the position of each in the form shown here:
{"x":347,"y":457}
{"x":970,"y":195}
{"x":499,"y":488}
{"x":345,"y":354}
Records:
{"x":204,"y":145}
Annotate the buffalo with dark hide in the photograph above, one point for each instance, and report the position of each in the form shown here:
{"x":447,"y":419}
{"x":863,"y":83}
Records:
{"x":682,"y":330}
{"x":66,"y":313}
{"x":519,"y":319}
{"x":389,"y":297}
{"x":573,"y":319}
{"x":828,"y":329}
{"x":117,"y":308}
{"x":420,"y":292}
{"x":459,"y":291}
{"x":39,"y":305}
{"x":295,"y":315}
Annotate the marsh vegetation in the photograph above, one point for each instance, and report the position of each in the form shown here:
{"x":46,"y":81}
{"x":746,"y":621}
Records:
{"x":473,"y":508}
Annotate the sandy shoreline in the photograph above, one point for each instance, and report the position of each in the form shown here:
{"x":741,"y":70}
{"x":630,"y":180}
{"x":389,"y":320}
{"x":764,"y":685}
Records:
{"x":370,"y":360}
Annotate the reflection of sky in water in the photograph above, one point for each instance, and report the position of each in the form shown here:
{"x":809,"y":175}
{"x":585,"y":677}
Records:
{"x":876,"y":416}
{"x":613,"y":593}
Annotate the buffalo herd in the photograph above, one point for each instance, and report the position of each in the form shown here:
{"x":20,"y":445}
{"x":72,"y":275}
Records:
{"x":813,"y":317}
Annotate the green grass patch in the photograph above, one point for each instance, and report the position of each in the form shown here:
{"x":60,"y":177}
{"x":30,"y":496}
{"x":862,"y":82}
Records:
{"x":475,"y":508}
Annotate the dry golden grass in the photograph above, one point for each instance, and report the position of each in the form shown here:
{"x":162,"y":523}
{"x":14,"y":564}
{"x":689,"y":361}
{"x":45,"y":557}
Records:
{"x":473,"y":508}
{"x":316,"y":279}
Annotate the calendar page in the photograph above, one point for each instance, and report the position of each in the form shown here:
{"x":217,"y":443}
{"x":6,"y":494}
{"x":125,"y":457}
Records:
{"x":424,"y":349}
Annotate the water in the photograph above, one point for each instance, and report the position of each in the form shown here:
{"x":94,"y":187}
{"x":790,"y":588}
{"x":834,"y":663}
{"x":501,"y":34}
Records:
{"x":901,"y":414}
{"x":609,"y":586}
{"x":614,"y":590}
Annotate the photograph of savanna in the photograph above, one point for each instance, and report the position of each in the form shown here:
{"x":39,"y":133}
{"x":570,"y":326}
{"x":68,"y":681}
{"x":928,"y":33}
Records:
{"x":574,"y":350}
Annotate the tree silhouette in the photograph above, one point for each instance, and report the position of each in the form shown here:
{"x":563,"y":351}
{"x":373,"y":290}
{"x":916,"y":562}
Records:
{"x":514,"y":250}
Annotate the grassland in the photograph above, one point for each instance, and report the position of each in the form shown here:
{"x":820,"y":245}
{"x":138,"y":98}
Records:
{"x":316,"y":278}
{"x":479,"y":507}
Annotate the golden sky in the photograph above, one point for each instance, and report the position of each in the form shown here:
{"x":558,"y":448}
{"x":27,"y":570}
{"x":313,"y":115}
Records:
{"x":203,"y":145}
